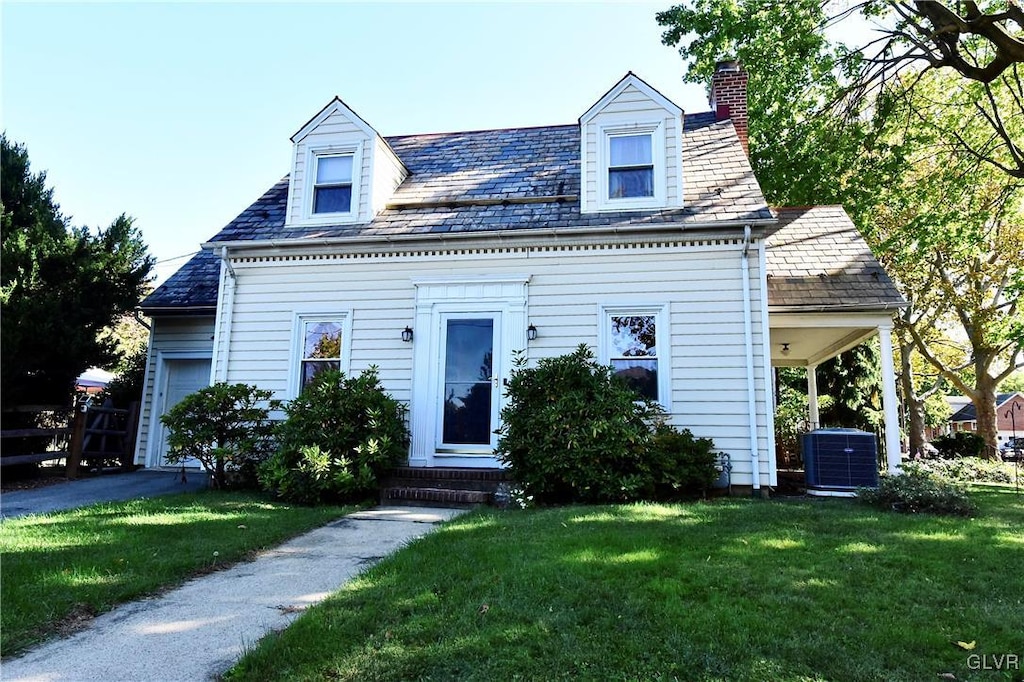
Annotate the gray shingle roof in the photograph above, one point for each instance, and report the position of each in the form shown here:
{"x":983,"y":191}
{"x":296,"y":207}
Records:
{"x":193,"y":288}
{"x":718,"y":186}
{"x":968,"y":413}
{"x":816,"y":258}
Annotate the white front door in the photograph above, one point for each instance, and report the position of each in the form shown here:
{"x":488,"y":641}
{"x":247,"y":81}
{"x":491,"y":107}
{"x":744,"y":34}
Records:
{"x":469,"y":383}
{"x":180,"y":378}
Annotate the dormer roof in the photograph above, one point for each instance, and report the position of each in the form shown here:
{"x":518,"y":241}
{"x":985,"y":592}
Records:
{"x":335,"y":106}
{"x":630,"y":79}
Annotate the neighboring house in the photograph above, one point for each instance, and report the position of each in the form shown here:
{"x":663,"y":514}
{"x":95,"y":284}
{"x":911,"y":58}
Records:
{"x":638,"y":231}
{"x":1009,"y":414}
{"x":955,"y":403}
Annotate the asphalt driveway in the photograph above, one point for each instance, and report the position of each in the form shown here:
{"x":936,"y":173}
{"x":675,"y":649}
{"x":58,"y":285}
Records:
{"x":108,"y":488}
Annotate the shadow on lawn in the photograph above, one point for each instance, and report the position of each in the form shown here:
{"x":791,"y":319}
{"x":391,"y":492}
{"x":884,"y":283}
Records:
{"x":724,"y":590}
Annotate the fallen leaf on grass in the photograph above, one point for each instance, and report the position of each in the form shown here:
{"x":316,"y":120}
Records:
{"x":966,"y":646}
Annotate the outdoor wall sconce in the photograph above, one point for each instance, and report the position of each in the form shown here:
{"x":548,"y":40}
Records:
{"x":407,"y":334}
{"x":531,"y":333}
{"x":785,"y":349}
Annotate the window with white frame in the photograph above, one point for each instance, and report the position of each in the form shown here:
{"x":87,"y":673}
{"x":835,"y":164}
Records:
{"x":630,"y":343}
{"x":332,"y":188}
{"x":631,"y":171}
{"x":322,"y":342}
{"x":630,"y":166}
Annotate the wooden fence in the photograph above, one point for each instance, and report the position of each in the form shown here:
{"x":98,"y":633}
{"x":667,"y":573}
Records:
{"x":96,"y":435}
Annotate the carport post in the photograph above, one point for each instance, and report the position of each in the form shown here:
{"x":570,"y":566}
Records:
{"x":813,"y":418}
{"x":889,"y":402}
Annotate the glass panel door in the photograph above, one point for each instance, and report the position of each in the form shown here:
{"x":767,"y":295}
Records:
{"x":469,"y":381}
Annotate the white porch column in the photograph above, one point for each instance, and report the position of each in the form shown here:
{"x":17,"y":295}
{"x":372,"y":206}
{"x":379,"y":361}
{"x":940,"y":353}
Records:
{"x":813,"y":420}
{"x":889,"y":403}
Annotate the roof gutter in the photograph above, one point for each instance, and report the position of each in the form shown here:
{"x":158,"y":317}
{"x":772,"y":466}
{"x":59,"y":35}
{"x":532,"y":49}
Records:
{"x":840,"y":307}
{"x":526,"y":233}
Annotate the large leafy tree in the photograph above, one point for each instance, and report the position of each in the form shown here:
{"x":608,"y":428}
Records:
{"x":60,"y":286}
{"x":924,"y":160}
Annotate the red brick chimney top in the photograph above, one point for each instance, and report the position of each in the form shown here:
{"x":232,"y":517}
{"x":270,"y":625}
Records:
{"x":728,"y":97}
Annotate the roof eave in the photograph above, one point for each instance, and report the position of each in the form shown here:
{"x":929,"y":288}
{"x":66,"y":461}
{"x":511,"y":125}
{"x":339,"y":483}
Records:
{"x":884,"y":306}
{"x":178,"y":311}
{"x":521,"y":234}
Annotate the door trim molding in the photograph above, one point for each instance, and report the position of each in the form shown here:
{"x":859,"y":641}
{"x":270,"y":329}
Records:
{"x":503,"y":295}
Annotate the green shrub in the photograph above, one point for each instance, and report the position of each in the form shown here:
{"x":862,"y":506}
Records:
{"x":916,"y":490}
{"x":680,"y":464}
{"x":574,"y":432}
{"x":959,"y":444}
{"x":226,"y":427}
{"x":340,"y":435}
{"x":970,"y":469}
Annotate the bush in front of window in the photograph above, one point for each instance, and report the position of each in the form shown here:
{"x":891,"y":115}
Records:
{"x":226,"y":427}
{"x":574,"y":432}
{"x":341,"y":434}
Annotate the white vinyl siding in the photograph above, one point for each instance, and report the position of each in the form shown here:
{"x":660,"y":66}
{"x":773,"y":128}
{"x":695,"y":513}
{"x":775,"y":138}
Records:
{"x":169,"y":335}
{"x":699,"y":285}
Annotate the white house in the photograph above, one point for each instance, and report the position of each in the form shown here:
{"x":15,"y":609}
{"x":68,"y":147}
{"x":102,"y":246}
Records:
{"x":638,"y":230}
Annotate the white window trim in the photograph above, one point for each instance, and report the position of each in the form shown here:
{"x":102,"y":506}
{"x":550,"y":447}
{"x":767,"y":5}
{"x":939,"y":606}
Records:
{"x":656,"y":129}
{"x":663,"y":341}
{"x":298,"y":344}
{"x":314,"y":152}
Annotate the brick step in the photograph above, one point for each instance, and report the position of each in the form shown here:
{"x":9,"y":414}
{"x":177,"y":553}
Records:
{"x":440,"y":483}
{"x":435,"y":496}
{"x":450,"y":473}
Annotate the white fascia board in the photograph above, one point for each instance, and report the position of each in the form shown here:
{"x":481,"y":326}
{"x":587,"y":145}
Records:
{"x":631,"y":79}
{"x":333,"y":107}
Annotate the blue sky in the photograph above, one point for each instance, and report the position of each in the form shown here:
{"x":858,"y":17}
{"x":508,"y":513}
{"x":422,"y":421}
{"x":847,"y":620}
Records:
{"x":180,"y":114}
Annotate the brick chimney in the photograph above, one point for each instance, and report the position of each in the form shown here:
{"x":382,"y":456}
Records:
{"x":728,"y":97}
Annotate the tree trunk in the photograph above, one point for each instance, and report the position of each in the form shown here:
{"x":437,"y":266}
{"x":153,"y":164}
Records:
{"x":984,"y":399}
{"x":912,"y":402}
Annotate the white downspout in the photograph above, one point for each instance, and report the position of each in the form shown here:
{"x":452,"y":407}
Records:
{"x":222,"y":331}
{"x":748,"y":341}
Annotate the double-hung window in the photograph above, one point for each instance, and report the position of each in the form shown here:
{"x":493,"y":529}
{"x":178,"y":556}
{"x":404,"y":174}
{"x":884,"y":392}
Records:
{"x":332,"y":190}
{"x":321,"y":348}
{"x":634,"y":342}
{"x":630,"y":166}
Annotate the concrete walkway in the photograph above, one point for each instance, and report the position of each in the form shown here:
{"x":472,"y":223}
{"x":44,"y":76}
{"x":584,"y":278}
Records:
{"x":106,"y":488}
{"x":199,"y":630}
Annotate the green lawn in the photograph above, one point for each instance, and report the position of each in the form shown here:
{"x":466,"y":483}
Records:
{"x":727,"y":590}
{"x":58,"y":569}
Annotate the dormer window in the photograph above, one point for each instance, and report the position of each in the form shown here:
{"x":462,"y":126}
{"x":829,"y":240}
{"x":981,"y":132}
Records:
{"x":630,"y":166}
{"x":631,"y":159}
{"x":332,"y":192}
